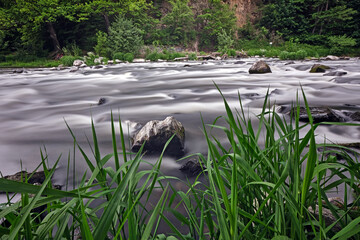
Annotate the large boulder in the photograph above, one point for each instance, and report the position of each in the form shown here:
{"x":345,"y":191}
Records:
{"x":319,"y":68}
{"x":259,"y":67}
{"x":156,"y":133}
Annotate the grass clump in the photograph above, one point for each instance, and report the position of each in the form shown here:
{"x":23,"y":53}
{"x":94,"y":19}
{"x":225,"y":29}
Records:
{"x":261,"y":183}
{"x":68,"y":60}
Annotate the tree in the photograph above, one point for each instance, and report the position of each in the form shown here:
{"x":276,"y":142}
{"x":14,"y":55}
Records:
{"x":108,"y":8}
{"x":31,"y":16}
{"x":331,"y":15}
{"x":214,"y":20}
{"x":124,"y":36}
{"x":179,"y":23}
{"x":286,"y":16}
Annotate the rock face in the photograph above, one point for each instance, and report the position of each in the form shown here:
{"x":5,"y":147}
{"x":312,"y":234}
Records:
{"x":319,"y":68}
{"x":156,"y":133}
{"x":259,"y":67}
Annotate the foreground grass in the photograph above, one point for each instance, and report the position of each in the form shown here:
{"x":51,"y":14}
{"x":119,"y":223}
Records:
{"x":251,"y":190}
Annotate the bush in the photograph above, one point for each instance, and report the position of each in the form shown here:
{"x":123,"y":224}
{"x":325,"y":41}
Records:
{"x":72,"y":50}
{"x":225,"y":41}
{"x":154,"y":56}
{"x":231,"y":52}
{"x":68,"y":60}
{"x":192,"y":56}
{"x":101,"y":48}
{"x":128,"y":57}
{"x":341,"y":44}
{"x":298,"y":55}
{"x":124,"y":36}
{"x":118,"y":55}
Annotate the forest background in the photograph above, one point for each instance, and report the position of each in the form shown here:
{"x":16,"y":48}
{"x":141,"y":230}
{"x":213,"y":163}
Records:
{"x":290,"y":29}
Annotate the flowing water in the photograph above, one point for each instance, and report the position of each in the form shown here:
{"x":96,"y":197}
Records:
{"x":35,"y":105}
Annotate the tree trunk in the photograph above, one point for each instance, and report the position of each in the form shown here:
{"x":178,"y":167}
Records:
{"x":53,"y":37}
{"x":107,"y":22}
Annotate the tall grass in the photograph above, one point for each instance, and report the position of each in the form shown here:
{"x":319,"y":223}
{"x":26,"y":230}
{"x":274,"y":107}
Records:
{"x":265,"y":187}
{"x":262,"y":183}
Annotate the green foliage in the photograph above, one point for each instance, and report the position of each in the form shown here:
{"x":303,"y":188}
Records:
{"x":124,"y":36}
{"x":68,"y":60}
{"x":225,"y":41}
{"x":128,"y":57}
{"x":298,"y":55}
{"x":192,"y":56}
{"x":72,"y":50}
{"x":215,"y":19}
{"x":118,"y":55}
{"x":341,"y":44}
{"x":101,"y":47}
{"x":179,"y":24}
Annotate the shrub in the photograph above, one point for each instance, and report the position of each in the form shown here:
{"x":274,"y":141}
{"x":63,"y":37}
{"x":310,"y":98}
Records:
{"x":128,"y":57}
{"x":341,"y":44}
{"x":101,"y":48}
{"x":68,"y":60}
{"x":284,"y":55}
{"x":124,"y":36}
{"x":301,"y":54}
{"x":225,"y":41}
{"x":231,"y":52}
{"x":192,"y":56}
{"x":154,"y":56}
{"x":72,"y":50}
{"x":118,"y":55}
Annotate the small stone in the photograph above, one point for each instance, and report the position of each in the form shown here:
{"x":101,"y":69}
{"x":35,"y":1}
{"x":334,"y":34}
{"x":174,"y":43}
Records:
{"x":138,"y":60}
{"x":102,"y":101}
{"x":78,"y":62}
{"x":74,"y":69}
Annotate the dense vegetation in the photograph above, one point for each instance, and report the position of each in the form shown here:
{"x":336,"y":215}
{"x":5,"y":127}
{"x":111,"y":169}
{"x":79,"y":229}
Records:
{"x":255,"y":188}
{"x":33,"y":30}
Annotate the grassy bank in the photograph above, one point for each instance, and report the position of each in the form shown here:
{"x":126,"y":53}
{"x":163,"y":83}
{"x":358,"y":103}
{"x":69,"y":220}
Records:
{"x":252,"y":190}
{"x":289,"y":50}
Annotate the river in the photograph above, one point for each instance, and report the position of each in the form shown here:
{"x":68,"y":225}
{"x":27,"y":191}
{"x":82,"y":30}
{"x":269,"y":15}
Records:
{"x":35,"y":105}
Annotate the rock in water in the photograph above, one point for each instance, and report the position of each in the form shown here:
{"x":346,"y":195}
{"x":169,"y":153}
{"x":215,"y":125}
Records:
{"x":318,"y":68}
{"x":337,"y":74}
{"x":259,"y":67}
{"x":156,"y":133}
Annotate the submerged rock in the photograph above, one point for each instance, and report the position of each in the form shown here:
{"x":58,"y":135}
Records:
{"x":319,"y":68}
{"x":337,"y":74}
{"x":74,"y":69}
{"x":192,"y":168}
{"x":259,"y":67}
{"x":319,"y":114}
{"x":102,"y":101}
{"x":156,"y":133}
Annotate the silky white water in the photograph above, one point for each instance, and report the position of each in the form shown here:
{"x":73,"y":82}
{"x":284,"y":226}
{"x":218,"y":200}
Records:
{"x":35,"y":105}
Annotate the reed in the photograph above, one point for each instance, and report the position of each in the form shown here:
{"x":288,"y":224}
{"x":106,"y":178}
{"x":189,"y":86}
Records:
{"x":264,"y":186}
